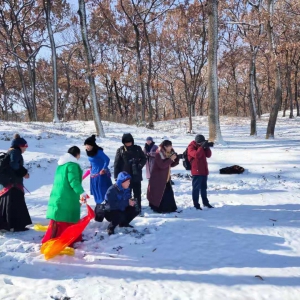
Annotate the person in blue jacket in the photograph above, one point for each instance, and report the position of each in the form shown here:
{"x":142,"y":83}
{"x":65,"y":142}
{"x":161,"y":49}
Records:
{"x":120,"y":208}
{"x":99,"y":172}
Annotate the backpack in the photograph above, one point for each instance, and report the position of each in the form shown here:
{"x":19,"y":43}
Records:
{"x":4,"y":161}
{"x":5,"y":172}
{"x":185,"y":161}
{"x":232,"y":170}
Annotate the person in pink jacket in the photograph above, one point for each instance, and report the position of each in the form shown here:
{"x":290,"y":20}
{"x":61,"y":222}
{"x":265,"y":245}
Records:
{"x":150,"y":151}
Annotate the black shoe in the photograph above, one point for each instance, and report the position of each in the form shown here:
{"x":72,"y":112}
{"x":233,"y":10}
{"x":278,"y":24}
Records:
{"x":126,"y":225}
{"x":198,"y":207}
{"x":208,"y":205}
{"x":110,"y":231}
{"x":20,"y":229}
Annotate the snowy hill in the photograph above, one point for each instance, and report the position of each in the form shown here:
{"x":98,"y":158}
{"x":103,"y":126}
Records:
{"x":247,"y":247}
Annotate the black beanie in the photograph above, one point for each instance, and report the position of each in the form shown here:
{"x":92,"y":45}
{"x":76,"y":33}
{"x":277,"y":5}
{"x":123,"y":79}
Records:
{"x":18,"y":141}
{"x":127,"y":138}
{"x":91,"y":141}
{"x":199,"y":138}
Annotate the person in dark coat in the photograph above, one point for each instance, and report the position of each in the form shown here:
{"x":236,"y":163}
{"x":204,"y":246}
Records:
{"x":198,"y":151}
{"x":131,"y":159}
{"x":120,"y":208}
{"x":150,"y":151}
{"x":160,"y":193}
{"x":14,"y":215}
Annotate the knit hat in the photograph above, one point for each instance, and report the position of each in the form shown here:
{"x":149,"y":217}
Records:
{"x":91,"y":141}
{"x":199,"y":138}
{"x":127,"y":138}
{"x":149,"y":138}
{"x":18,"y":141}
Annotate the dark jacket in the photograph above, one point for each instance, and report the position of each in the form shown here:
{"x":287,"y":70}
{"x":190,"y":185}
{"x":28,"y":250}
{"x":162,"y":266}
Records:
{"x":159,"y":177}
{"x":197,"y":156}
{"x":130,"y":159}
{"x":116,"y":196}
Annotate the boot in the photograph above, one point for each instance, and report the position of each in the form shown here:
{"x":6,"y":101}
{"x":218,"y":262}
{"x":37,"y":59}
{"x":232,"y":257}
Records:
{"x":208,"y":205}
{"x":126,"y":225}
{"x":110,"y":229}
{"x":197,"y":206}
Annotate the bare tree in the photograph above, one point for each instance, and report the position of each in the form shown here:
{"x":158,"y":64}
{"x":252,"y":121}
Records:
{"x":47,"y":8}
{"x":213,"y":118}
{"x":89,"y":65}
{"x":278,"y":88}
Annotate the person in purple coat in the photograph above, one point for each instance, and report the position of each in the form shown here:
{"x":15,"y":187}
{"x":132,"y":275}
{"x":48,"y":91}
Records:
{"x":149,"y":150}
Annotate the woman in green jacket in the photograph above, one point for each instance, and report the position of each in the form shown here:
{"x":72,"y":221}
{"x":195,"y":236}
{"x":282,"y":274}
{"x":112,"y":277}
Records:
{"x":64,"y":207}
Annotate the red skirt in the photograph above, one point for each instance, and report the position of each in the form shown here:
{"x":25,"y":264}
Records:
{"x":55,"y":229}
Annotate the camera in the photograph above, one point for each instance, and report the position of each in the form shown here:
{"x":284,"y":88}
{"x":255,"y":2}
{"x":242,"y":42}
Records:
{"x":180,"y":156}
{"x":134,"y":166}
{"x":206,"y":144}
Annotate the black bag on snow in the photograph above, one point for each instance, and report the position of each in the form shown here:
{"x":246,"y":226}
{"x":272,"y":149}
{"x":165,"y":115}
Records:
{"x":232,"y":170}
{"x":185,"y":161}
{"x":100,"y":210}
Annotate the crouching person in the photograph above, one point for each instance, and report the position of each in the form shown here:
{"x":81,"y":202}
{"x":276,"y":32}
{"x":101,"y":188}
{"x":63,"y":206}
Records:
{"x":120,"y":209}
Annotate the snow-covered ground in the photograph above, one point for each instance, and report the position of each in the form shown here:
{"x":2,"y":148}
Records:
{"x":247,"y":247}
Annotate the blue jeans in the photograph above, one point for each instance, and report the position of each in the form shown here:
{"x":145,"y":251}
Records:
{"x":200,"y":185}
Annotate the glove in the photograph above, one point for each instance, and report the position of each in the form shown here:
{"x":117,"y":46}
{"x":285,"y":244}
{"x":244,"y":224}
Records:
{"x":102,"y":172}
{"x":83,"y":197}
{"x":204,"y":145}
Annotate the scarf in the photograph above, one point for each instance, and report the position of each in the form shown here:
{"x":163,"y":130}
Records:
{"x":94,"y":151}
{"x":168,"y":155}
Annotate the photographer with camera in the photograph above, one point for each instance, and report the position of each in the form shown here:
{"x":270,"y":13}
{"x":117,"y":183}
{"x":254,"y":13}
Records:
{"x":198,"y":151}
{"x":160,"y":193}
{"x":120,"y":209}
{"x":131,"y":159}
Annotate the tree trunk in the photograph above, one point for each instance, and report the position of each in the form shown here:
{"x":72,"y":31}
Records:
{"x":140,"y":69}
{"x":278,"y":89}
{"x":257,"y":93}
{"x":4,"y":93}
{"x":118,"y":98}
{"x":149,"y":79}
{"x":289,"y":87}
{"x":244,"y":101}
{"x":173,"y":100}
{"x":89,"y":64}
{"x":190,"y":118}
{"x":25,"y":91}
{"x":253,"y":130}
{"x":47,"y":9}
{"x":296,"y":89}
{"x":214,"y":123}
{"x":32,"y":79}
